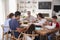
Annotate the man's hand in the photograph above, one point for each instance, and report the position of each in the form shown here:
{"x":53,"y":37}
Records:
{"x":21,"y":29}
{"x":18,"y":30}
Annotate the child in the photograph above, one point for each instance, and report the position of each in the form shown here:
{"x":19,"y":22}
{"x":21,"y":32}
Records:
{"x":54,"y":21}
{"x":55,"y":24}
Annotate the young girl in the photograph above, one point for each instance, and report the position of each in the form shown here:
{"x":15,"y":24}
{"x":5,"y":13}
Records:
{"x":41,"y":20}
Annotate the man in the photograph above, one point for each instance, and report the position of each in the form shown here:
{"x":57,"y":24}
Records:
{"x":30,"y":18}
{"x":14,"y":24}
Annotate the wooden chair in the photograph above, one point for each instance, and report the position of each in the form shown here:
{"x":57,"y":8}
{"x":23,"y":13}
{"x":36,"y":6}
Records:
{"x":1,"y":33}
{"x":57,"y":37}
{"x":13,"y":36}
{"x":30,"y":35}
{"x":7,"y":35}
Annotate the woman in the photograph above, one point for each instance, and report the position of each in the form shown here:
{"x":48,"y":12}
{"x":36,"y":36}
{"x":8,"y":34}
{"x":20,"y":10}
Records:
{"x":6,"y":24}
{"x":41,"y":19}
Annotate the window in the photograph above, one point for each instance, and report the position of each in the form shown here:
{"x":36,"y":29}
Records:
{"x":12,"y":6}
{"x":2,"y":12}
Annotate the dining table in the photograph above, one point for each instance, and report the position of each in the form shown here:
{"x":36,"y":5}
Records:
{"x":46,"y":32}
{"x":24,"y":27}
{"x":41,"y":32}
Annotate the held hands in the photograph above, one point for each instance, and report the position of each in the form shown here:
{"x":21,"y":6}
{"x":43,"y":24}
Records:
{"x":21,"y":29}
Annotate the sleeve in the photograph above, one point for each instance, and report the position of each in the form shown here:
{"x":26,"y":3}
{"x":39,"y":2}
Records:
{"x":16,"y":24}
{"x":57,"y":25}
{"x":51,"y":23}
{"x":6,"y":23}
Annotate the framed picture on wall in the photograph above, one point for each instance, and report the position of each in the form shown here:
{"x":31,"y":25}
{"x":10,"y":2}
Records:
{"x":44,"y":5}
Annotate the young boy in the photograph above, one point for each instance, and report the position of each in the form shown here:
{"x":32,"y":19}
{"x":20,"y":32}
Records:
{"x":54,"y":23}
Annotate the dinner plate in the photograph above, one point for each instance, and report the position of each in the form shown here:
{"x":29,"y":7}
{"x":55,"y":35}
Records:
{"x":36,"y":24}
{"x":24,"y":25}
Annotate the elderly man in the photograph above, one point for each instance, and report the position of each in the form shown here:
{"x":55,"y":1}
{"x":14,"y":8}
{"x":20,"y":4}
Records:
{"x":30,"y":18}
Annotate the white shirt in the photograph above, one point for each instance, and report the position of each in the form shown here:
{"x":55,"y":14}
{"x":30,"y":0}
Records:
{"x":6,"y":25}
{"x":7,"y":22}
{"x":1,"y":33}
{"x":31,"y":18}
{"x":42,"y":21}
{"x":54,"y":24}
{"x":51,"y":27}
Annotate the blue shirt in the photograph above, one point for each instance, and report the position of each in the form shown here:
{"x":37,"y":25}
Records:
{"x":13,"y":25}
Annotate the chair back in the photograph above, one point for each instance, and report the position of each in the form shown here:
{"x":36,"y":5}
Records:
{"x":5,"y":33}
{"x":29,"y":36}
{"x":1,"y":33}
{"x":59,"y":27}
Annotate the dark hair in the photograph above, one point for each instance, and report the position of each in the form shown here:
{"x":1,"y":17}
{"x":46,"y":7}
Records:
{"x":11,"y":15}
{"x":40,"y":15}
{"x":17,"y":13}
{"x":55,"y":17}
{"x":31,"y":29}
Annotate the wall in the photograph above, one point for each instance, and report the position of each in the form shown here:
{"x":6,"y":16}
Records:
{"x":48,"y":11}
{"x":12,"y":6}
{"x":35,"y":7}
{"x":56,"y":2}
{"x":6,"y":7}
{"x":2,"y":12}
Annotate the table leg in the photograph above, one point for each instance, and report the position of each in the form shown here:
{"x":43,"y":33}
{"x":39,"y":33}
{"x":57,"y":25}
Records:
{"x":46,"y":37}
{"x":40,"y":37}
